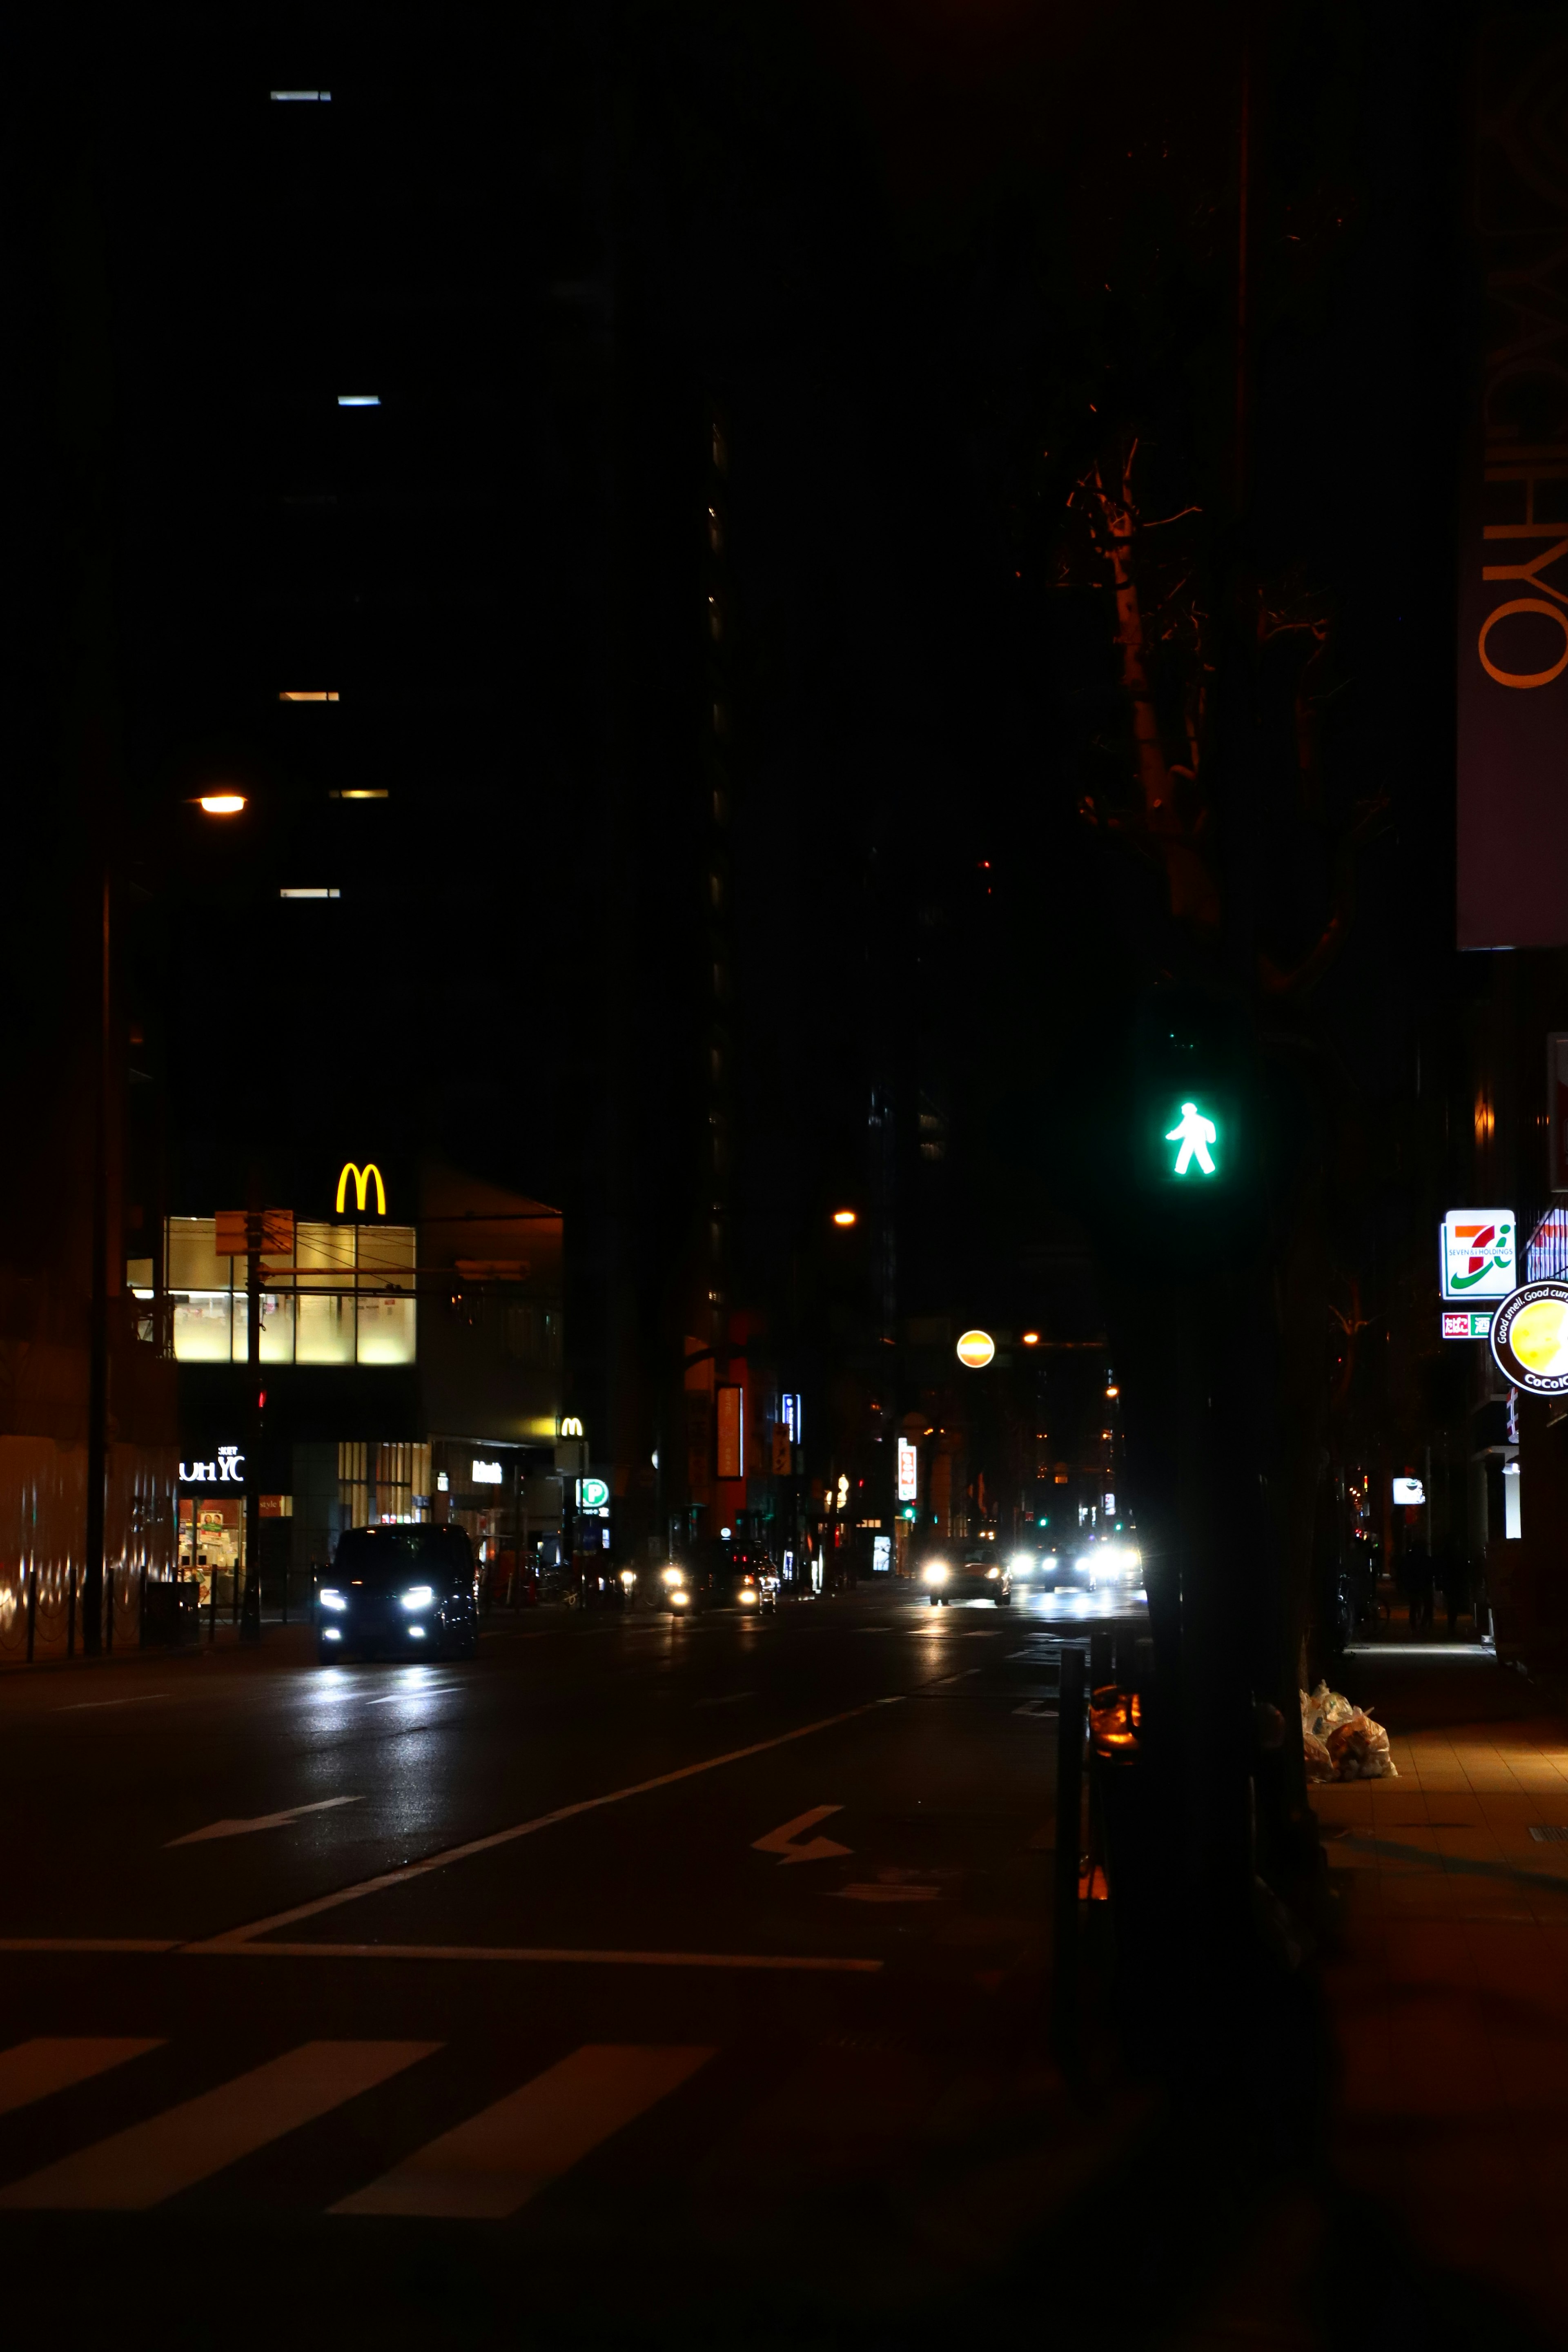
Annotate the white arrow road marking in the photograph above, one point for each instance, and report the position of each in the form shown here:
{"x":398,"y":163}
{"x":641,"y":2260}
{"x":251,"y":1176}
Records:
{"x":781,"y":1840}
{"x":262,"y":1822}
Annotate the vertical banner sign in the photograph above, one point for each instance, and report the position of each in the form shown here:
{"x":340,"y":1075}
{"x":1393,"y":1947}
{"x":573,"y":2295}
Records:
{"x":731,"y":1432}
{"x":1513,"y":546}
{"x":908,"y":1472}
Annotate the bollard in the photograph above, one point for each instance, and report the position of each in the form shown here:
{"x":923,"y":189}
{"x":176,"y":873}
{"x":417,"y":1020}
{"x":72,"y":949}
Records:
{"x":1069,"y":1832}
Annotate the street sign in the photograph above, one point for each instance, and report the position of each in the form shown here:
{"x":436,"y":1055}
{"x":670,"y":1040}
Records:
{"x":1409,"y":1492}
{"x":1530,"y":1338}
{"x":909,"y":1471}
{"x":593,"y":1494}
{"x":1475,"y":1253}
{"x":1476,"y":1324}
{"x":975,"y":1350}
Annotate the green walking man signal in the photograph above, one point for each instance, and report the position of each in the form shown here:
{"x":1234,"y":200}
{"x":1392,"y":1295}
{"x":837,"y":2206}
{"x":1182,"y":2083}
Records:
{"x":1194,"y":1133}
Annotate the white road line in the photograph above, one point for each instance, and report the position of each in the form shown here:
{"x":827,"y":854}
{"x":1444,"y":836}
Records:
{"x":83,"y":1706}
{"x":412,"y":1870}
{"x":425,"y":1690}
{"x":802,"y":1963}
{"x":89,"y":1943}
{"x":878,"y":1893}
{"x":260,"y":1821}
{"x":500,"y":2158}
{"x":35,"y":2069}
{"x":135,"y":2169}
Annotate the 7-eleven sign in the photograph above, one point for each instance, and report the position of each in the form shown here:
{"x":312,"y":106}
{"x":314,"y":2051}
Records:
{"x":1477,"y":1254}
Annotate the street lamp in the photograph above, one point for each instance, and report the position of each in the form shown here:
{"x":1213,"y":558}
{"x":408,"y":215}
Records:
{"x":844,"y":1217}
{"x":221,"y":803}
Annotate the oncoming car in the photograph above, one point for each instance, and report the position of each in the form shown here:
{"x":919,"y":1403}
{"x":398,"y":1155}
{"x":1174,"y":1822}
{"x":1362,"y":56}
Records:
{"x":1109,"y":1564}
{"x":967,"y":1573}
{"x":720,"y":1575}
{"x":398,"y":1591}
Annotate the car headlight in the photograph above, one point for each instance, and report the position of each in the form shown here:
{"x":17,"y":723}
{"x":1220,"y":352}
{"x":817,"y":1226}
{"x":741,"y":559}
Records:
{"x":935,"y":1571}
{"x":679,"y":1596}
{"x":628,"y":1577}
{"x":672,"y":1575}
{"x":419,"y":1596}
{"x":992,"y":1573}
{"x":331,"y":1598}
{"x":747,"y":1593}
{"x":1023,"y":1563}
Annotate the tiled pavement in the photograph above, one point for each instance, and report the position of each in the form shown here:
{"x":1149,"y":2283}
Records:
{"x":1449,"y":1985}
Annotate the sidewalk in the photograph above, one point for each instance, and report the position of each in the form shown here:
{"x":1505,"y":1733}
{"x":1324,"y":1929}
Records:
{"x":1450,"y":1989}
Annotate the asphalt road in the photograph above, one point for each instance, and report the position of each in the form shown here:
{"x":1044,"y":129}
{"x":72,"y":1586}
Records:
{"x":640,"y":1980}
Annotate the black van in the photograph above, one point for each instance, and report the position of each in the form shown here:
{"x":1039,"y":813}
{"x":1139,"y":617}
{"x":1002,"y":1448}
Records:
{"x":404,"y":1591}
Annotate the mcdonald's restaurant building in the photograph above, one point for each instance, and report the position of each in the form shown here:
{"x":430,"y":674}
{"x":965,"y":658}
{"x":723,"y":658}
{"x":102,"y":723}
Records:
{"x":410,"y":1370}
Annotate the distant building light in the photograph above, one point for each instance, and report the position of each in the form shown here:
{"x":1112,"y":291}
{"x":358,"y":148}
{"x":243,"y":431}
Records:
{"x":298,"y":693}
{"x":300,"y":96}
{"x":485,"y":1474}
{"x":309,"y":894}
{"x":1031,"y":1338}
{"x":844,"y":1216}
{"x":222,"y":803}
{"x":382,"y":794}
{"x":359,"y":400}
{"x":443,"y":1483}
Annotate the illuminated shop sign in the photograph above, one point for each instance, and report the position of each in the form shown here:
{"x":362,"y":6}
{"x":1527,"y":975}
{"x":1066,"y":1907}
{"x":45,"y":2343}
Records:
{"x":228,"y":1470}
{"x":1530,"y":1338}
{"x":975,"y":1350}
{"x":791,"y":1420}
{"x":485,"y":1473}
{"x":1409,"y":1492}
{"x":908,"y":1472}
{"x":1477,"y":1254}
{"x":361,"y":1179}
{"x":593,"y":1495}
{"x":1477,"y":1324}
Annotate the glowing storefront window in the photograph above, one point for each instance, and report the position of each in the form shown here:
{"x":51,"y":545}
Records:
{"x":348,"y":1297}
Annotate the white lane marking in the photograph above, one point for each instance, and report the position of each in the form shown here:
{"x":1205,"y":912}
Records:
{"x":35,"y":2069}
{"x":261,"y":1821}
{"x":782,"y":1841}
{"x":1036,"y":1710}
{"x":83,"y":1706}
{"x":411,"y":1870}
{"x":488,"y":2167}
{"x":138,"y":2167}
{"x":880,"y":1894}
{"x":802,"y":1963}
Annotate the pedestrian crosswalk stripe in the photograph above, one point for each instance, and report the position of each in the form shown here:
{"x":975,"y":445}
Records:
{"x":488,"y":2167}
{"x":54,"y":2061}
{"x":141,"y":2165}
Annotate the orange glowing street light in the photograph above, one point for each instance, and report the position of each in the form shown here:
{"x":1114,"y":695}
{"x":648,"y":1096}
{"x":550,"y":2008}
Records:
{"x":1031,"y":1338}
{"x":844,"y":1216}
{"x":221,"y":803}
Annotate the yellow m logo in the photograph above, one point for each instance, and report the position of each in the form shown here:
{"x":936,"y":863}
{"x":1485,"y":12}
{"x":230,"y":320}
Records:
{"x":571,"y":1426}
{"x":361,"y":1177}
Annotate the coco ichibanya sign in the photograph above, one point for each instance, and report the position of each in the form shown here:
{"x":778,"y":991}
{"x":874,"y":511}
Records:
{"x":1475,"y":1253}
{"x":1530,"y":1338}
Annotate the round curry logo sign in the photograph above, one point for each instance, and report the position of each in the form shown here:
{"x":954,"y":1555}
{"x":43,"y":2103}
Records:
{"x":975,"y":1350}
{"x":1530,"y":1337}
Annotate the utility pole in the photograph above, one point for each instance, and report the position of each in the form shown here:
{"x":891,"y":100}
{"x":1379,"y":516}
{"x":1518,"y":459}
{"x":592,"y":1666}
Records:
{"x":250,"y":1608}
{"x":97,"y":1340}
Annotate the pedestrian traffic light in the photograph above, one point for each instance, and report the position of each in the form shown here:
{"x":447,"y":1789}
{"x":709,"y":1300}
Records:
{"x":1190,"y":1132}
